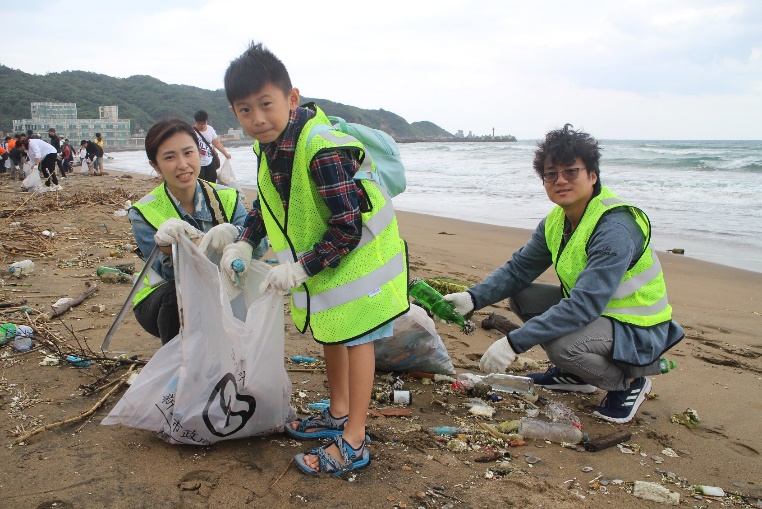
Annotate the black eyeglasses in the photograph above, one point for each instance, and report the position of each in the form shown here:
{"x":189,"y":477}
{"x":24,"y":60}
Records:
{"x":550,"y":177}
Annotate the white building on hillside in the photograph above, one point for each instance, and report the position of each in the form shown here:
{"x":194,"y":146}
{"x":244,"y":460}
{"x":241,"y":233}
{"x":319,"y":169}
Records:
{"x":63,"y":118}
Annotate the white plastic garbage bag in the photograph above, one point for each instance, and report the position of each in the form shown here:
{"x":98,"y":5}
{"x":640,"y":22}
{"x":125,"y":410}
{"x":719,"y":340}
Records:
{"x":415,"y":346}
{"x":226,"y":177}
{"x":32,"y":181}
{"x":222,"y":377}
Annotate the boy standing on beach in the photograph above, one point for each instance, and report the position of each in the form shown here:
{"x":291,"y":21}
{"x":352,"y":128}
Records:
{"x":337,"y":242}
{"x":609,"y":322}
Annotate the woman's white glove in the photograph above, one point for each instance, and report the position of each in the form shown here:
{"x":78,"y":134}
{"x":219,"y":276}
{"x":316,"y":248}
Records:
{"x":284,"y":277}
{"x":240,"y":250}
{"x":172,"y":229}
{"x":462,"y":301}
{"x":498,"y":357}
{"x":218,"y":237}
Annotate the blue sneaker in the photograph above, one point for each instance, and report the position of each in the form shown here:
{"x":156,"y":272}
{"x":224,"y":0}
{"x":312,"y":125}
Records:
{"x":558,"y":380}
{"x":621,"y":406}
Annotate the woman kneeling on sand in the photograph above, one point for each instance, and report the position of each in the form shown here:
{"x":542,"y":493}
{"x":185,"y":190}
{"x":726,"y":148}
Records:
{"x":181,"y":205}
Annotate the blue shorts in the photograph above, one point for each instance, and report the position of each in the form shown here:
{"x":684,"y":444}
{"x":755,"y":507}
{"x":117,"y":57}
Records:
{"x":384,"y":331}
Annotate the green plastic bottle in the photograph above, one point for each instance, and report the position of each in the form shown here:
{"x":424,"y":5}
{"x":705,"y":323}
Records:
{"x":666,"y":364}
{"x":103,"y":269}
{"x":432,"y":300}
{"x":7,"y":332}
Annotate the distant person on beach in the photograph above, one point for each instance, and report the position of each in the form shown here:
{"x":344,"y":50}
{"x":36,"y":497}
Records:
{"x":98,"y":161}
{"x":15,"y":163}
{"x":43,"y":155}
{"x":66,"y":158}
{"x":609,"y":322}
{"x":56,"y":142}
{"x":93,"y":152}
{"x":208,"y":140}
{"x":181,"y":205}
{"x":338,"y":245}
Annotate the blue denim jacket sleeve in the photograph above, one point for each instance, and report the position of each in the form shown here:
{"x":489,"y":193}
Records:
{"x":143,"y":233}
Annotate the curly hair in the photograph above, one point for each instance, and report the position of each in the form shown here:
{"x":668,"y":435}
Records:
{"x":562,"y":146}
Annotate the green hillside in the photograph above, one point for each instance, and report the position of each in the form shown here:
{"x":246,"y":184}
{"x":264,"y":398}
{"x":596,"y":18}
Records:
{"x":144,"y":100}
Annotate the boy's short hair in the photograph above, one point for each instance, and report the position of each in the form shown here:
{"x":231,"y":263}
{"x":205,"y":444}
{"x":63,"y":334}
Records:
{"x":563,"y":146}
{"x":254,"y":70}
{"x":83,"y":142}
{"x":201,"y":116}
{"x":97,"y":134}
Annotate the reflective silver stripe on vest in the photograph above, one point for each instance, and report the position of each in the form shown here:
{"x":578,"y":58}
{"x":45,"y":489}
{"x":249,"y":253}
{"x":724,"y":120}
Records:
{"x":352,"y":290}
{"x":611,"y":201}
{"x":635,"y":283}
{"x":339,"y":140}
{"x":147,"y":199}
{"x":370,"y":230}
{"x":653,"y":309}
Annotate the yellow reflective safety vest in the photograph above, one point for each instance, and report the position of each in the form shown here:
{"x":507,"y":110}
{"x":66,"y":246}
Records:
{"x":641,"y":298}
{"x":156,"y":207}
{"x":368,"y":289}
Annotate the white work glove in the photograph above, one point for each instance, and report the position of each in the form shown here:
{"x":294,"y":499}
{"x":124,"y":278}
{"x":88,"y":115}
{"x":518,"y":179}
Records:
{"x":284,"y":277}
{"x":172,"y":229}
{"x":237,"y":251}
{"x":462,"y":301}
{"x":218,"y":237}
{"x":498,"y":357}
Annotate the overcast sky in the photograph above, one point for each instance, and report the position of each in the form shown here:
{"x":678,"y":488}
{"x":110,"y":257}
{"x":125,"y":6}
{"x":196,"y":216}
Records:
{"x":630,"y":69}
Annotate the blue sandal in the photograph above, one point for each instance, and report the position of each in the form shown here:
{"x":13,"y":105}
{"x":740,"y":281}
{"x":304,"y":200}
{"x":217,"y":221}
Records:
{"x":351,"y":458}
{"x":328,"y":426}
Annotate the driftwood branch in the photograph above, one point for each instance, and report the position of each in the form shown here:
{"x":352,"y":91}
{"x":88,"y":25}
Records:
{"x":15,"y":303}
{"x":499,"y":322}
{"x":83,"y":415}
{"x":63,"y":308}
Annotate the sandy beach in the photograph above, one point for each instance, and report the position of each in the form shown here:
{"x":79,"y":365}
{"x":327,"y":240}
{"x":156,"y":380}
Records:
{"x":83,"y":464}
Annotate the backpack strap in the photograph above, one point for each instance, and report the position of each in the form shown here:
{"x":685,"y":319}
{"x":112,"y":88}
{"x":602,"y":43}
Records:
{"x":319,"y":128}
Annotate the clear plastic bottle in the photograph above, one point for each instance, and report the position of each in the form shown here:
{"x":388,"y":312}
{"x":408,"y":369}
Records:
{"x":667,"y":364}
{"x":509,"y":383}
{"x":24,"y":267}
{"x":553,"y":431}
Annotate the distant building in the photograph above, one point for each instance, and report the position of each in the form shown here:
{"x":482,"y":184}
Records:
{"x":459,"y":134}
{"x":63,"y":118}
{"x":234,"y":134}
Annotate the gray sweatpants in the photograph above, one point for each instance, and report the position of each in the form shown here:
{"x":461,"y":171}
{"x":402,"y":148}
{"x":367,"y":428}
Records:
{"x":586,"y":352}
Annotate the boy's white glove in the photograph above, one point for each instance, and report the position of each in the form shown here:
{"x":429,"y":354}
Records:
{"x":172,"y":229}
{"x":240,"y":250}
{"x":462,"y":301}
{"x":218,"y":237}
{"x":284,"y":277}
{"x":498,"y":357}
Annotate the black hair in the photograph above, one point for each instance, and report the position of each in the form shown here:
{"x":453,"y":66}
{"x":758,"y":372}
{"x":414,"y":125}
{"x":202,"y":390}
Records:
{"x":254,"y":70}
{"x":83,"y":142}
{"x":563,"y":146}
{"x":161,"y":131}
{"x":201,"y":116}
{"x":97,"y":134}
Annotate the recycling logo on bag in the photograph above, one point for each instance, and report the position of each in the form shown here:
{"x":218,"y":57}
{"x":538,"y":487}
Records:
{"x":236,"y":408}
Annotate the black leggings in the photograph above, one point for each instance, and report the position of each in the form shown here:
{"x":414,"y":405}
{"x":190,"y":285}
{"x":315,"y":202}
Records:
{"x":48,"y":169}
{"x":208,"y":173}
{"x":158,"y":313}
